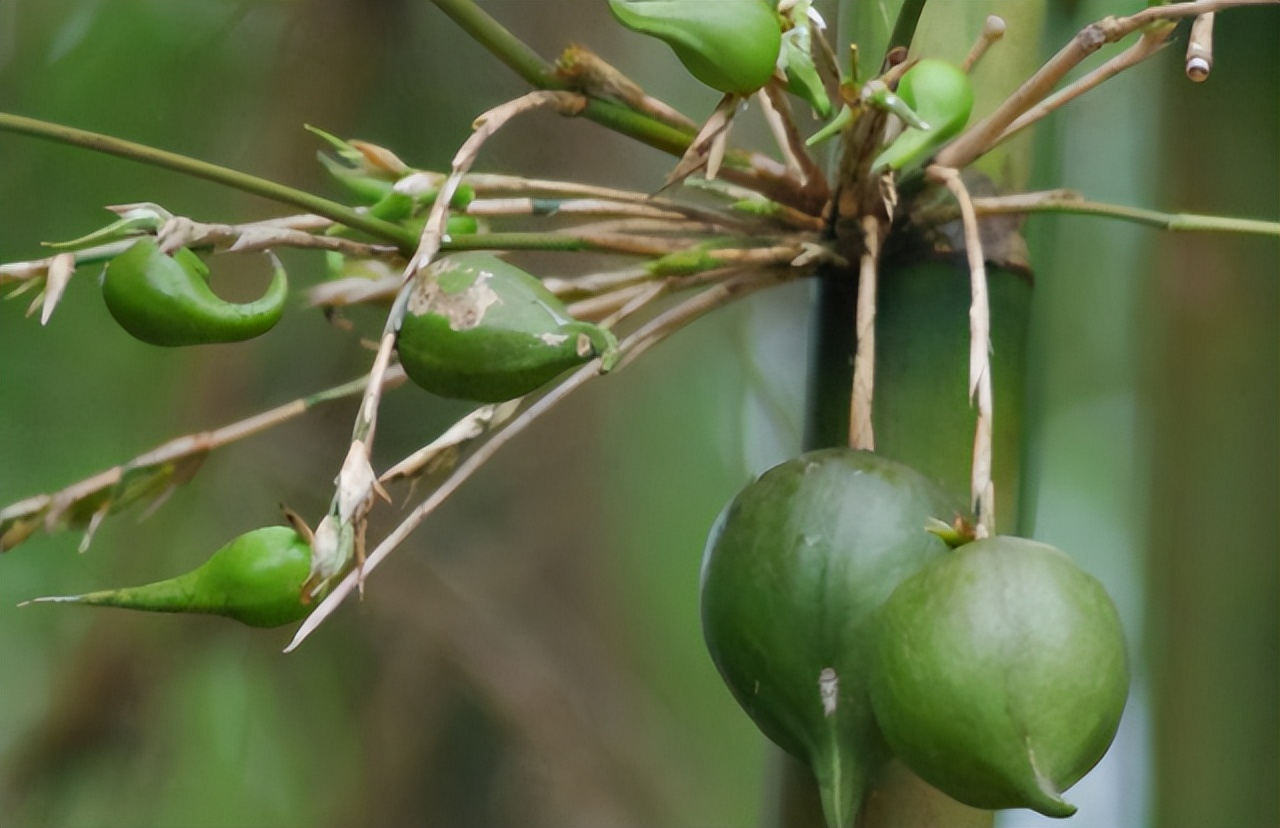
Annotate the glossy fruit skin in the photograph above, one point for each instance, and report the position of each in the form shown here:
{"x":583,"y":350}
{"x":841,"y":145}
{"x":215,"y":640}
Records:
{"x":255,"y":579}
{"x":730,"y":45}
{"x":1000,"y":674}
{"x":794,"y":570}
{"x":942,"y":96}
{"x":165,"y":300}
{"x":479,"y":328}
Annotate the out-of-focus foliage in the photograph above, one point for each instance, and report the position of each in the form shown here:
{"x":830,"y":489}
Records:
{"x":519,"y":662}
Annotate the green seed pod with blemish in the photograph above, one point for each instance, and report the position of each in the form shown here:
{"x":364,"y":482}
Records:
{"x":1000,"y":674}
{"x":730,"y":45}
{"x":166,"y":300}
{"x":794,"y":570}
{"x":255,"y":579}
{"x":478,"y":328}
{"x":942,"y":96}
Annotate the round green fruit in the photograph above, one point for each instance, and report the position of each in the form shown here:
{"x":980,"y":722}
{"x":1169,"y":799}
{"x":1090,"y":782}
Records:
{"x":1000,"y":674}
{"x":794,"y":570}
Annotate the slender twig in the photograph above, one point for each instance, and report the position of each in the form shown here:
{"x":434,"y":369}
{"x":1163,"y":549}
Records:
{"x":750,"y":169}
{"x":584,"y":71}
{"x":993,"y":29}
{"x":1151,"y":42}
{"x":982,"y":487}
{"x":402,"y":238}
{"x":1066,"y":201}
{"x":777,"y":110}
{"x":632,"y":347}
{"x":1200,"y":48}
{"x":505,"y":46}
{"x":55,"y":505}
{"x":525,"y":206}
{"x":484,"y":128}
{"x":984,"y":135}
{"x":861,"y":431}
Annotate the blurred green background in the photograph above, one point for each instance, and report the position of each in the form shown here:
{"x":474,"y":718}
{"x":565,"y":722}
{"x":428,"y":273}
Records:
{"x":532,"y":655}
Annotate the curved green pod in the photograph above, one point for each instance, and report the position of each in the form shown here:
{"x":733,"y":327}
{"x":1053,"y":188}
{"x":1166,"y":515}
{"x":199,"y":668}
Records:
{"x":1000,"y":674}
{"x":730,"y":45}
{"x":941,"y":95}
{"x":478,"y":328}
{"x":793,"y":573}
{"x":255,"y":579}
{"x":166,"y":300}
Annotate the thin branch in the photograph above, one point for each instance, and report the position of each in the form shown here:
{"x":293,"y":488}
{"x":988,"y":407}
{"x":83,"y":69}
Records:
{"x":402,"y":238}
{"x":750,"y":169}
{"x":501,"y":43}
{"x":484,"y":128}
{"x":632,"y":347}
{"x":777,"y":110}
{"x":861,"y":431}
{"x":993,"y":28}
{"x":984,"y":135}
{"x":1200,"y":48}
{"x":1151,"y":42}
{"x":50,"y":510}
{"x":1066,"y":201}
{"x":982,"y":489}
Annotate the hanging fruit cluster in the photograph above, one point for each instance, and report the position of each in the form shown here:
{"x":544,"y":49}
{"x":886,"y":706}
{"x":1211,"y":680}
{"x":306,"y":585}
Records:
{"x":850,"y":633}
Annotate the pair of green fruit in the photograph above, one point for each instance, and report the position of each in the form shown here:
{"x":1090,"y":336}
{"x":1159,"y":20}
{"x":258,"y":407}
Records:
{"x":851,"y":634}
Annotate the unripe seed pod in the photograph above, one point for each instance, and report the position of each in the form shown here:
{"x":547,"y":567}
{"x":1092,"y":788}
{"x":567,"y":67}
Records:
{"x":255,"y":579}
{"x":730,"y":45}
{"x":794,"y":570}
{"x":942,"y":96}
{"x":166,"y":300}
{"x":1000,"y":674}
{"x":479,"y":328}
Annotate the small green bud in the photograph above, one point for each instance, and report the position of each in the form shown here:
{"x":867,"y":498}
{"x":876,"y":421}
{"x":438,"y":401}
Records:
{"x":942,"y":96}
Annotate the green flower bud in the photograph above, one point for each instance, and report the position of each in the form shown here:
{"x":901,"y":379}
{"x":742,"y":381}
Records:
{"x":942,"y":96}
{"x":478,"y":328}
{"x":730,"y":45}
{"x":166,"y":300}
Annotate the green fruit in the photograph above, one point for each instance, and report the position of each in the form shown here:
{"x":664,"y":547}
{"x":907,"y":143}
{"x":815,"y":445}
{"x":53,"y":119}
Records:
{"x":255,"y":579}
{"x":166,"y":300}
{"x":478,"y":328}
{"x":730,"y":45}
{"x":794,"y":570}
{"x":942,"y":96}
{"x":1000,"y":674}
